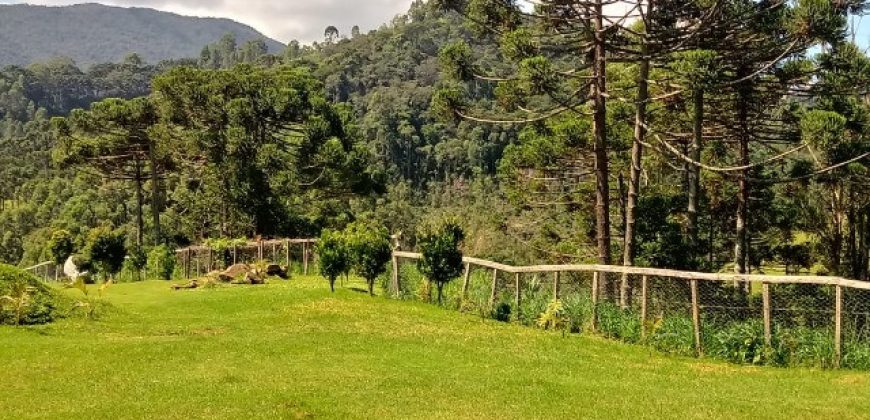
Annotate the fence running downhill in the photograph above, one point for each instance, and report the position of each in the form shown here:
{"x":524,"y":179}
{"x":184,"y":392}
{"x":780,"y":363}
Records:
{"x":787,"y":320}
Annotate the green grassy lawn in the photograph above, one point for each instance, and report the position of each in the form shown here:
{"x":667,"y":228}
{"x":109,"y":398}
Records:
{"x":292,"y":349}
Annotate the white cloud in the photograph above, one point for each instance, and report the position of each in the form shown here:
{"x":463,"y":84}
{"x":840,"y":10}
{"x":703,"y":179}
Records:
{"x":283,"y":20}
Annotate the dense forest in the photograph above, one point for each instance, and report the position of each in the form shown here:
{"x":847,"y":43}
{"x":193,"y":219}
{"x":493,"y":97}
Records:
{"x":710,"y":147}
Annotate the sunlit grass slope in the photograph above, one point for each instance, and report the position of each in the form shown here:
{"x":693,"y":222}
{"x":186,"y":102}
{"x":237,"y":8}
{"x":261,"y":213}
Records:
{"x":293,"y":350}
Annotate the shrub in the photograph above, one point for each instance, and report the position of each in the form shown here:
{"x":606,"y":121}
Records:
{"x":554,"y":317}
{"x":738,"y":342}
{"x":673,"y":334}
{"x":333,"y":257}
{"x":161,"y":260}
{"x":60,"y":246}
{"x":615,"y":322}
{"x":370,"y":250}
{"x":578,"y":309}
{"x":441,"y":260}
{"x":856,"y":355}
{"x":106,"y":251}
{"x":24,"y":300}
{"x":805,"y":347}
{"x":502,"y":312}
{"x":138,"y":261}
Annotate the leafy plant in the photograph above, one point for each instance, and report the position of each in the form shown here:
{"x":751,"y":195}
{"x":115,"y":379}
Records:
{"x":502,"y":312}
{"x":554,"y":317}
{"x":106,"y":251}
{"x":162,"y":261}
{"x":442,"y":259}
{"x":370,"y":250}
{"x":24,"y":300}
{"x":333,"y":257}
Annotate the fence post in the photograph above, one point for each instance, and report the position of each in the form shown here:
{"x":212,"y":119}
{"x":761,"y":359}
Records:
{"x":765,"y":301}
{"x":187,"y":263}
{"x":696,"y":317}
{"x":465,"y":280}
{"x":396,"y":275}
{"x":235,"y":252}
{"x":259,"y":250}
{"x":305,"y":258}
{"x":517,"y":292}
{"x":287,"y":254}
{"x":594,"y":300}
{"x":556,"y":285}
{"x":494,"y":285}
{"x":644,"y":284}
{"x":838,"y":327}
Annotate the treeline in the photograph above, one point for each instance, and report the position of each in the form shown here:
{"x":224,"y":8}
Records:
{"x":725,"y":136}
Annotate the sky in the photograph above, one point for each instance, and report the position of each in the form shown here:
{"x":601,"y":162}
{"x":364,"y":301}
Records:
{"x":282,"y":20}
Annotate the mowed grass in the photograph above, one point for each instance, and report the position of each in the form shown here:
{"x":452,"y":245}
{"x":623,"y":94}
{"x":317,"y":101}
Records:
{"x":293,"y":350}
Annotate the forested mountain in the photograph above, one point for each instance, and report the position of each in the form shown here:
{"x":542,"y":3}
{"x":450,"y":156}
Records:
{"x":94,"y":33}
{"x":430,"y":117}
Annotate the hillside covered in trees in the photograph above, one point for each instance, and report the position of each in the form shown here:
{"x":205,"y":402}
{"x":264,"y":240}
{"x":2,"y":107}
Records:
{"x":736,"y":161}
{"x":93,"y":33}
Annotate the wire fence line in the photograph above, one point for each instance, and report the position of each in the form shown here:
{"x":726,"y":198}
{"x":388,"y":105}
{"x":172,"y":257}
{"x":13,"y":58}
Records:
{"x":198,"y":260}
{"x":789,"y":320}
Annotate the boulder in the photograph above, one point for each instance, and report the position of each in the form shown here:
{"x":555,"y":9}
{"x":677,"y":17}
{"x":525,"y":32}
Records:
{"x":233,"y":272}
{"x":276,"y":271}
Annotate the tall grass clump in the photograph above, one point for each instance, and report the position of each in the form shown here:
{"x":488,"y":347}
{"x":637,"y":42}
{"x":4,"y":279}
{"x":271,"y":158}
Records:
{"x":24,"y":299}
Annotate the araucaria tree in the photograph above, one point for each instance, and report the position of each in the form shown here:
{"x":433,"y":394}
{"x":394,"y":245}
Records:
{"x":118,"y":138}
{"x":370,"y":250}
{"x":332,"y":256}
{"x":441,"y":260}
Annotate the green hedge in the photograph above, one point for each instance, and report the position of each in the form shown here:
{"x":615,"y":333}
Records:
{"x":24,"y":299}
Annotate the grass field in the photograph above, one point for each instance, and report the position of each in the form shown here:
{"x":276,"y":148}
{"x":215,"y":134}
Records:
{"x":293,"y":350}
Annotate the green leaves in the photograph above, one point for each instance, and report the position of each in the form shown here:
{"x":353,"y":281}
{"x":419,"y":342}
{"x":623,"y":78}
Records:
{"x":333,"y":255}
{"x":442,"y":259}
{"x":60,"y":246}
{"x":457,"y":62}
{"x":369,"y":248}
{"x":822,"y":129}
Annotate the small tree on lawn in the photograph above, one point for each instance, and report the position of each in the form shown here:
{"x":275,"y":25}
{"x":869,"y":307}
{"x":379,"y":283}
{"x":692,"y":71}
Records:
{"x":60,"y":247}
{"x":369,"y":249}
{"x":138,"y":260}
{"x":442,"y":258}
{"x":106,"y":251}
{"x":333,"y":256}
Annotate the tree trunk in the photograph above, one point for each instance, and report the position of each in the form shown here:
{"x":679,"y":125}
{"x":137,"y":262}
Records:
{"x":155,"y":199}
{"x":440,"y":292}
{"x":628,"y":251}
{"x":740,"y":242}
{"x":602,"y":187}
{"x":695,"y":172}
{"x":140,"y":224}
{"x":371,"y":287}
{"x":332,"y":285}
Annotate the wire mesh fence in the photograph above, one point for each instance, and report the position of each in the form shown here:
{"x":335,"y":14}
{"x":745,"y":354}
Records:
{"x":741,"y":319}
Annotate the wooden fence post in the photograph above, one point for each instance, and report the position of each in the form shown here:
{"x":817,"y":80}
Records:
{"x":594,"y":300}
{"x":305,"y":258}
{"x":259,"y":250}
{"x":765,"y":302}
{"x":187,"y":263}
{"x":287,"y":254}
{"x":556,"y":285}
{"x":838,"y":327}
{"x":696,"y":317}
{"x":235,"y":254}
{"x":396,"y":275}
{"x":465,"y":280}
{"x":644,"y":293}
{"x":210,"y":261}
{"x":517,"y":292}
{"x":494,"y":285}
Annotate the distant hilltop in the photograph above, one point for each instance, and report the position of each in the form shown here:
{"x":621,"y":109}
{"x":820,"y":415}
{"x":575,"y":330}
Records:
{"x":95,"y":33}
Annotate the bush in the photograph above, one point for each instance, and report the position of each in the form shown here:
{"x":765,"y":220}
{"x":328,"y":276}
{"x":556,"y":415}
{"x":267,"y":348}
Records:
{"x":441,"y":260}
{"x":370,"y":249}
{"x":738,"y":342}
{"x":24,"y":300}
{"x":578,"y":310}
{"x":161,"y":260}
{"x":333,"y":256}
{"x":614,"y":322}
{"x":60,"y":246}
{"x":502,"y":312}
{"x":674,"y":334}
{"x":105,"y":251}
